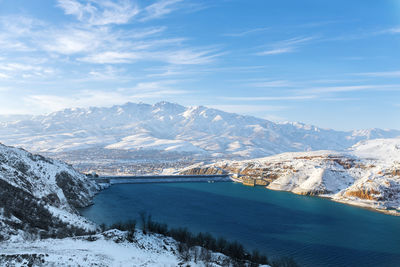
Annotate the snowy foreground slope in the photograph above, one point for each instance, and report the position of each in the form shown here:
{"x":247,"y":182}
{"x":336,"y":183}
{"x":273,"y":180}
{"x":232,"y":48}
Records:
{"x":39,"y":196}
{"x":367,"y":174}
{"x":173,"y":128}
{"x":108,"y":249}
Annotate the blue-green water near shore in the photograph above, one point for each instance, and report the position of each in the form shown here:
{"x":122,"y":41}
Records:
{"x":314,"y":231}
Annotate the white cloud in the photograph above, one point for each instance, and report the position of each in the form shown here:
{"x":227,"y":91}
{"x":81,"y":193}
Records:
{"x":170,"y":70}
{"x":160,"y":9}
{"x":111,"y":57}
{"x":75,"y":39}
{"x":277,"y":51}
{"x":270,"y":98}
{"x":286,"y":46}
{"x":350,"y":88}
{"x":141,"y":91}
{"x":386,"y":74}
{"x":103,"y":44}
{"x":184,"y":56}
{"x":72,"y":41}
{"x":7,"y":43}
{"x":394,"y":30}
{"x":15,"y":70}
{"x":189,"y":56}
{"x":246,"y":109}
{"x":100,"y":12}
{"x":247,"y":32}
{"x":267,"y":84}
{"x":295,"y":41}
{"x":4,"y":76}
{"x":107,"y":73}
{"x":19,"y":67}
{"x":95,"y":39}
{"x":15,"y":32}
{"x":338,"y":99}
{"x":49,"y":103}
{"x":144,"y":32}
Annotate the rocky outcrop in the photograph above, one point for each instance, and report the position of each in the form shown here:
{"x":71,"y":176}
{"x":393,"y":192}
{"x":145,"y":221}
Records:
{"x":369,"y":194}
{"x":204,"y":171}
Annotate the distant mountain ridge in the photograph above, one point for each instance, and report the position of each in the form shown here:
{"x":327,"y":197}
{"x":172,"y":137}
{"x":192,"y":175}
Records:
{"x":172,"y":127}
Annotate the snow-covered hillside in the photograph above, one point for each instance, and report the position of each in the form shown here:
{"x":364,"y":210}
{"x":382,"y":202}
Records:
{"x":39,"y":196}
{"x":367,"y":174}
{"x":110,"y":248}
{"x":174,"y":128}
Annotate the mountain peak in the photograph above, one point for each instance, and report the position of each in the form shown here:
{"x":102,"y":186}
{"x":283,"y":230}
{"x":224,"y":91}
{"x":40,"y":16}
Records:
{"x":169,"y":126}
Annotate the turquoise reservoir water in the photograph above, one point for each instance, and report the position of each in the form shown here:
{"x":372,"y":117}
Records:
{"x":314,"y":231}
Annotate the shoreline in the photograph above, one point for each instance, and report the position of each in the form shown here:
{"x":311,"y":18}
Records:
{"x":361,"y":205}
{"x":344,"y":201}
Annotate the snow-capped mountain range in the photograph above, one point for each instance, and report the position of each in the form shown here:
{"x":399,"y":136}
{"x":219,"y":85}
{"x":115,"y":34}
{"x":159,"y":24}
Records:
{"x":171,"y":127}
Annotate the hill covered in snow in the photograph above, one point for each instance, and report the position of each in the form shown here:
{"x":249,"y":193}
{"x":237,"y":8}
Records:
{"x":39,"y":197}
{"x":110,"y":248}
{"x":367,"y":174}
{"x":173,"y":128}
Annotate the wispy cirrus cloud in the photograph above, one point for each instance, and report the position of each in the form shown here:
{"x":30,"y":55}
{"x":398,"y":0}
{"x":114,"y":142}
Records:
{"x":320,"y":93}
{"x":159,"y":9}
{"x":186,"y":56}
{"x":248,"y":108}
{"x":167,"y":71}
{"x":15,"y":33}
{"x":385,"y":74}
{"x":272,"y":84}
{"x":107,"y":73}
{"x":85,"y":98}
{"x":13,"y":70}
{"x":246,"y":32}
{"x":365,"y":34}
{"x":111,"y":57}
{"x":73,"y":40}
{"x":394,"y":30}
{"x":190,"y":56}
{"x":276,"y":51}
{"x":270,"y":98}
{"x":4,"y":76}
{"x":98,"y":42}
{"x":101,"y":12}
{"x":286,"y":46}
{"x":349,"y":88}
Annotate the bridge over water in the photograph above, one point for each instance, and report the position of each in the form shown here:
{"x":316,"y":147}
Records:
{"x":161,"y":179}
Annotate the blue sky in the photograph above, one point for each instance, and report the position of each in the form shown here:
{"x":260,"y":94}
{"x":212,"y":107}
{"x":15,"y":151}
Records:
{"x":334,"y":64}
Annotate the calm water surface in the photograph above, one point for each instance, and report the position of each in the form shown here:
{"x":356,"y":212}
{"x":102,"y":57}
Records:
{"x":314,"y":231}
